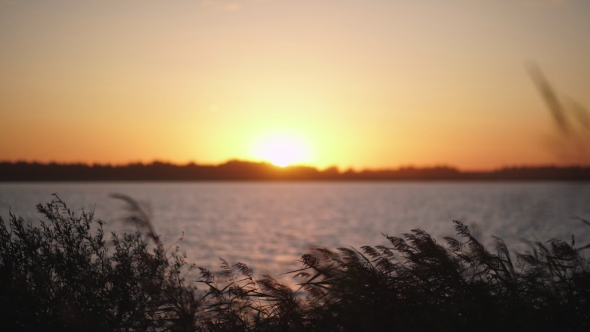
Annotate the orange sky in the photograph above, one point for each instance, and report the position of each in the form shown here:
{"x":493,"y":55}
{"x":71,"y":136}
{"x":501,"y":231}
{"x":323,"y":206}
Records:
{"x":375,"y":83}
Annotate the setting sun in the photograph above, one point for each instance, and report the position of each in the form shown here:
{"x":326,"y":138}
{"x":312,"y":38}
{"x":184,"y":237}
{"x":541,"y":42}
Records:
{"x":281,"y":148}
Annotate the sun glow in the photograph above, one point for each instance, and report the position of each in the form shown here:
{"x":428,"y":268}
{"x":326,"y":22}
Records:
{"x":282,"y":148}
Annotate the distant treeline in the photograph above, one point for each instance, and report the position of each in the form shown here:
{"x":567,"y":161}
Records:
{"x":252,"y":171}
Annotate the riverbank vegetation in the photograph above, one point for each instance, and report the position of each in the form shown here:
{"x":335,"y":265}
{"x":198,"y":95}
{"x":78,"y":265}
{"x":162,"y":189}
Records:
{"x":235,"y":170}
{"x":66,"y":274}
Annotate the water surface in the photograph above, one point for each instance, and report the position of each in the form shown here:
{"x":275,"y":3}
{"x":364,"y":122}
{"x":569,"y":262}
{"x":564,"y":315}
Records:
{"x":269,"y":225}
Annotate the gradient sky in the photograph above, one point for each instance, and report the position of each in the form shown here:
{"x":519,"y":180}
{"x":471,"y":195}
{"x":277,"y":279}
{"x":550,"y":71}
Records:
{"x":371,"y":83}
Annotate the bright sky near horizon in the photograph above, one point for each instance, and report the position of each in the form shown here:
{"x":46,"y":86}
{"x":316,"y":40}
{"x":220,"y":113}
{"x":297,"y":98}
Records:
{"x":363,"y":84}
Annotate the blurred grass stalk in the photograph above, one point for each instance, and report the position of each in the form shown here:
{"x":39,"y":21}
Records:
{"x":572,"y":143}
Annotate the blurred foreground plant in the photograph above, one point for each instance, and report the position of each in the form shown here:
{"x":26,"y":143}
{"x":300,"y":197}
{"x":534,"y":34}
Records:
{"x":417,"y":284}
{"x":62,"y":275}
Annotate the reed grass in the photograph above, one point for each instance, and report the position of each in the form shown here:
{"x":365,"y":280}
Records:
{"x":63,"y":275}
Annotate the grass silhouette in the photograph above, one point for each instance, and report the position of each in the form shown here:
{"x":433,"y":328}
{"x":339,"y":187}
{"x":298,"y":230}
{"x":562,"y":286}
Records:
{"x":63,"y":275}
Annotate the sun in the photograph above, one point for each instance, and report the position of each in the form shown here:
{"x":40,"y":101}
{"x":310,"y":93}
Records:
{"x":282,"y":148}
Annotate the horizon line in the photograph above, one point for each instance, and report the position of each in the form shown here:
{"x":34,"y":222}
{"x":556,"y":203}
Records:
{"x":268,"y":163}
